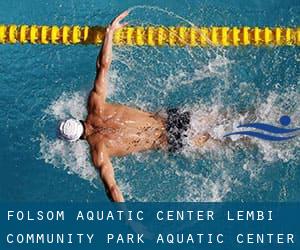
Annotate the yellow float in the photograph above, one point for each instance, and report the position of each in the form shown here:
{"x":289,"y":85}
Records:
{"x":152,"y":35}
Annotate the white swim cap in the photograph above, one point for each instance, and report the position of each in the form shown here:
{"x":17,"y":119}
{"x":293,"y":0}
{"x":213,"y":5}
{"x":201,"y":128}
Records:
{"x":70,"y":130}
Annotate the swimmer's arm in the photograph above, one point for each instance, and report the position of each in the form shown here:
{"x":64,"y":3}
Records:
{"x":103,"y":164}
{"x":105,"y":56}
{"x":102,"y":65}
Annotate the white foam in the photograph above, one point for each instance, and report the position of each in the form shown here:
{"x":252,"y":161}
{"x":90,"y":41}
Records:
{"x":214,"y":118}
{"x":218,"y":121}
{"x":72,"y":157}
{"x":200,"y":188}
{"x":68,"y":105}
{"x":271,"y":110}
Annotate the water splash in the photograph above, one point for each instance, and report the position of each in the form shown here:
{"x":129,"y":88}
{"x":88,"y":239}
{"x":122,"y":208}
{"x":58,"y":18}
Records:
{"x":192,"y":186}
{"x":210,"y":84}
{"x":74,"y":158}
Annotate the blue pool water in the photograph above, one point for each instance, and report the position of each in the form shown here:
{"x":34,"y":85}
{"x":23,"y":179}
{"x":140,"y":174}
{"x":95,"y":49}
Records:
{"x":42,"y":84}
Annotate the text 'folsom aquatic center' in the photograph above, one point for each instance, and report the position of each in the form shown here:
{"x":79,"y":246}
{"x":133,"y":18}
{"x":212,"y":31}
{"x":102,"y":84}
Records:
{"x":123,"y":215}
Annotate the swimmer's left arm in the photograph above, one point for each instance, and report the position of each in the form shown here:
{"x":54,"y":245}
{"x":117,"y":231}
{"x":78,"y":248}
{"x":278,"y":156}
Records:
{"x":103,"y":164}
{"x":105,"y":56}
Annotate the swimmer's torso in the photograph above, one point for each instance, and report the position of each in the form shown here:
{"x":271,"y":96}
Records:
{"x":124,"y":130}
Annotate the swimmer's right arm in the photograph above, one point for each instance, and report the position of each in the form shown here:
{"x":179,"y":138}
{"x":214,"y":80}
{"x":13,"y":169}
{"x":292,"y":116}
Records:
{"x":103,"y":164}
{"x":105,"y":56}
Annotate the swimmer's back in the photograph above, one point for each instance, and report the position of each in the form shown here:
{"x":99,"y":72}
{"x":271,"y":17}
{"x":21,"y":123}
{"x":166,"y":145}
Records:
{"x":126,"y":130}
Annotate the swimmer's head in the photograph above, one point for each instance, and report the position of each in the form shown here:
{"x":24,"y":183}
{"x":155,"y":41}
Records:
{"x":70,"y":129}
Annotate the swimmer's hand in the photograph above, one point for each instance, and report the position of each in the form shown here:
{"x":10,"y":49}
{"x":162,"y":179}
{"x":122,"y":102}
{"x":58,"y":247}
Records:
{"x":115,"y":24}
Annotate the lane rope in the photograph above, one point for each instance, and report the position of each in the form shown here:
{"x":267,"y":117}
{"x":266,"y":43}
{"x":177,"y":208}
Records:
{"x":152,"y":35}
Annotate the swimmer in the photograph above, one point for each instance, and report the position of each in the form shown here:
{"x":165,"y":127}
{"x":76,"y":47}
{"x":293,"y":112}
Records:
{"x":114,"y":130}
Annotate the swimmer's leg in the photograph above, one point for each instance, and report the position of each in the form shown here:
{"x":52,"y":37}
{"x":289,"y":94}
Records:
{"x":200,"y":140}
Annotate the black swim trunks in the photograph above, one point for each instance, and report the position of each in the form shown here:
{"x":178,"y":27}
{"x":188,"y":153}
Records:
{"x":177,"y":125}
